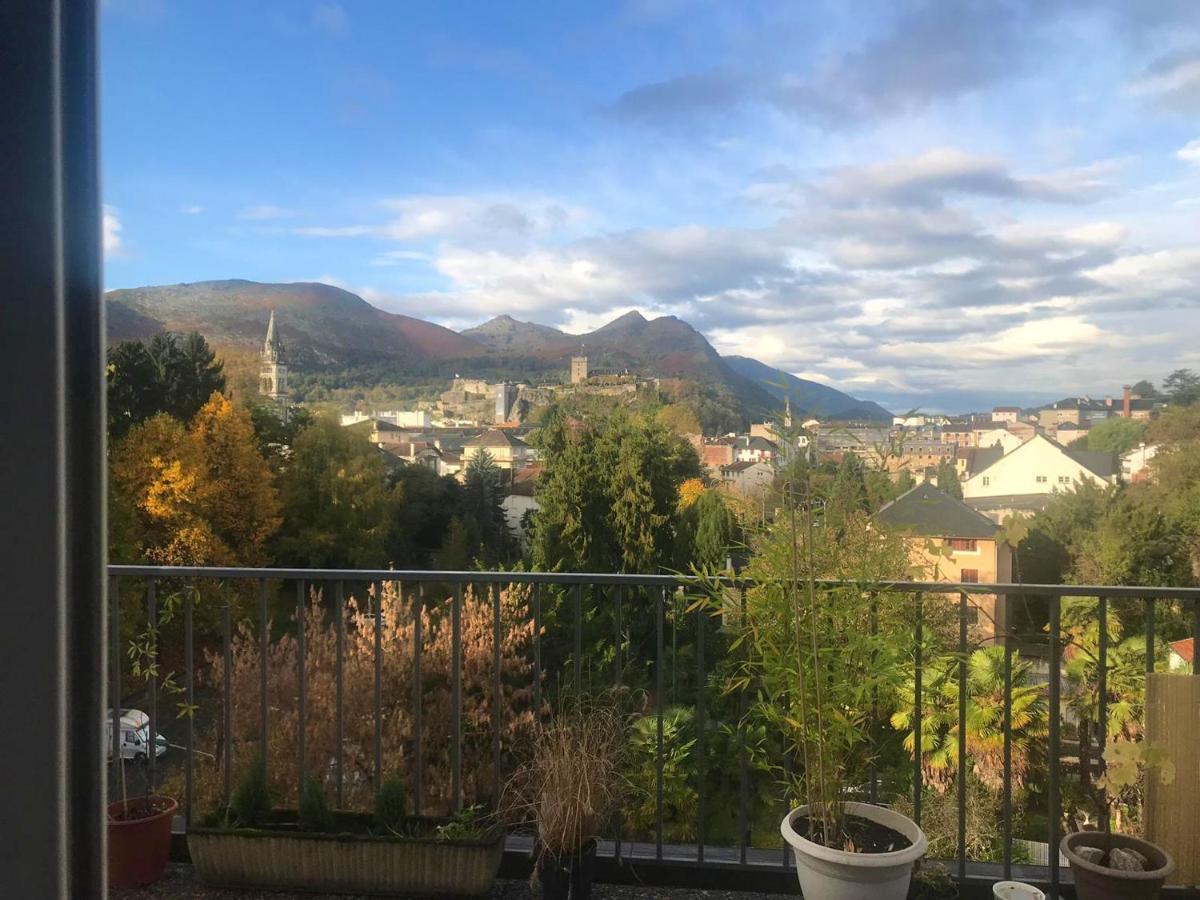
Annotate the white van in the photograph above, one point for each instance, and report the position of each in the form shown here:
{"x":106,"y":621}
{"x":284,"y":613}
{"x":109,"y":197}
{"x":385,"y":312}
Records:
{"x":135,"y":736}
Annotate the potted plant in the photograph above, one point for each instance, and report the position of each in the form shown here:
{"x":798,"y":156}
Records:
{"x":252,"y":844}
{"x":812,"y":665}
{"x":932,"y":883}
{"x":139,"y":828}
{"x":1108,"y":865}
{"x":570,"y":783}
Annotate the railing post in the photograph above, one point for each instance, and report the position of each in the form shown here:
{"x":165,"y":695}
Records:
{"x":1101,"y":691}
{"x":376,"y":594}
{"x":962,"y":736}
{"x":658,"y":744}
{"x":301,"y":712}
{"x":918,"y":702}
{"x":418,"y":695}
{"x":263,"y":653}
{"x":456,"y":784}
{"x":226,"y":701}
{"x":497,"y":707}
{"x":339,"y":624}
{"x":701,"y":727}
{"x":1053,"y":800}
{"x":190,"y":688}
{"x":152,"y":626}
{"x":1006,"y":799}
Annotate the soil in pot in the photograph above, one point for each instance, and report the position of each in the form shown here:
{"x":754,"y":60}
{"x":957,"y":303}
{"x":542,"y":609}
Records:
{"x":568,"y":877}
{"x":859,"y":835}
{"x":139,"y":840}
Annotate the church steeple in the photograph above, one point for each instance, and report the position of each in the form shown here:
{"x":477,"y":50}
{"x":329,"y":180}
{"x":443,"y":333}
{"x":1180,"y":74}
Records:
{"x":272,"y":346}
{"x":273,"y":371}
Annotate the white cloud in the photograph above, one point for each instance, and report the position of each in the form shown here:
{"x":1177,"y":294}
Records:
{"x":1190,"y":152}
{"x":111,"y":231}
{"x":193,"y":210}
{"x":330,"y":18}
{"x":264,"y":212}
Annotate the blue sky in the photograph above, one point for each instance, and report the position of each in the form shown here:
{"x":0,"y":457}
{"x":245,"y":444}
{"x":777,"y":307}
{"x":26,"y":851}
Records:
{"x":916,"y":202}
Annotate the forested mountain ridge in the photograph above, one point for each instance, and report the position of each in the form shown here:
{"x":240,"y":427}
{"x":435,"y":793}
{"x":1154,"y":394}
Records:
{"x":337,"y":335}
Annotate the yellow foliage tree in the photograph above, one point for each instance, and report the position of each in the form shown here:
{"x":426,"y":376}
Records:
{"x":690,"y":491}
{"x":195,"y":497}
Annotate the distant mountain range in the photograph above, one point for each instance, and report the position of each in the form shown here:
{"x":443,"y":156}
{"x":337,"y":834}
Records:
{"x":323,"y":326}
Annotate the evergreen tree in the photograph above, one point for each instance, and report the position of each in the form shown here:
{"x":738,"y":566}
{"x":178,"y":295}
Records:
{"x":338,"y":503}
{"x":483,"y":503}
{"x":1182,"y":387}
{"x":947,"y":479}
{"x":172,"y":374}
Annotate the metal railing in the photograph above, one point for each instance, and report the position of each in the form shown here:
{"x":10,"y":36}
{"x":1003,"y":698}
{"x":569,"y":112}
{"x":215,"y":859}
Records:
{"x":614,"y":591}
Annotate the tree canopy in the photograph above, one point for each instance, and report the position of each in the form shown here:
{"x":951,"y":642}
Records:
{"x":173,"y":374}
{"x":608,"y":493}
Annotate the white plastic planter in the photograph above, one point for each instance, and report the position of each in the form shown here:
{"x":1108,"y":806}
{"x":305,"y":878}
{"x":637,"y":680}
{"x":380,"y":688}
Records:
{"x":1016,"y":890}
{"x":827,"y":874}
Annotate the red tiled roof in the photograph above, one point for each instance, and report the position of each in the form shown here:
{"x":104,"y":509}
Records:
{"x":1184,"y":649}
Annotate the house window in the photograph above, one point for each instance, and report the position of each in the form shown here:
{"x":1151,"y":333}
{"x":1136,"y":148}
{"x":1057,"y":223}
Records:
{"x":968,"y":544}
{"x":969,"y":576}
{"x":1064,"y":479}
{"x":1041,"y":479}
{"x":986,"y":480}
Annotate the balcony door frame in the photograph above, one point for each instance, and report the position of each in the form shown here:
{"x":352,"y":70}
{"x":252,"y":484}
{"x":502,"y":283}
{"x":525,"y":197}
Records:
{"x":52,"y":454}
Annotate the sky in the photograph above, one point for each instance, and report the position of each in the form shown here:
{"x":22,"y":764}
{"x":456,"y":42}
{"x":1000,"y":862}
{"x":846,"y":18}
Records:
{"x":932,"y":205}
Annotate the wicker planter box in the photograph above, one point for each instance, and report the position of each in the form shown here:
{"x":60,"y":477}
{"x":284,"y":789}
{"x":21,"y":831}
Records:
{"x":353,"y":861}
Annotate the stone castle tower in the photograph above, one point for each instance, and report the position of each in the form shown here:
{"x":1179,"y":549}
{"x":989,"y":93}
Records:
{"x":579,"y":370}
{"x":272,"y":379}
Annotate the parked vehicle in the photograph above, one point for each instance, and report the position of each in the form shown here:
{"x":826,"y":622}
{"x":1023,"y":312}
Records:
{"x":135,"y":736}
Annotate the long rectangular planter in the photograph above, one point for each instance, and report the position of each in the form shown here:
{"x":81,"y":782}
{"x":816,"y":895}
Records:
{"x":349,"y":862}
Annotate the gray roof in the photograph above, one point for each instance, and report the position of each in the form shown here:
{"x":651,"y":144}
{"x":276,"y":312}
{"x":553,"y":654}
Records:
{"x":496,"y":438}
{"x":1095,"y":461}
{"x":1023,"y":502}
{"x":981,"y":458}
{"x":925,"y":510}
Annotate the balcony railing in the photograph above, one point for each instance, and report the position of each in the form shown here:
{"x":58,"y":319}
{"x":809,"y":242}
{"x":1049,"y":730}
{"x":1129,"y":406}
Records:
{"x":563,"y":608}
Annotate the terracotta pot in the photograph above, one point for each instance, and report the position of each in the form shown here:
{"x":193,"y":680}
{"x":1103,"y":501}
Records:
{"x":139,"y":849}
{"x":1093,"y":882}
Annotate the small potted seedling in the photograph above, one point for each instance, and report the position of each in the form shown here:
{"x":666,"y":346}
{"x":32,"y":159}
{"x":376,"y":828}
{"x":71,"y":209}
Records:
{"x":1108,"y":865}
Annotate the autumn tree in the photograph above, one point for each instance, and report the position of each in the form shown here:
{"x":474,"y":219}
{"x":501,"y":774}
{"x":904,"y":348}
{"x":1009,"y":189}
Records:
{"x":192,"y":496}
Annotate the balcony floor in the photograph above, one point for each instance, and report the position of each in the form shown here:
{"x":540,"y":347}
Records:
{"x":180,"y":882}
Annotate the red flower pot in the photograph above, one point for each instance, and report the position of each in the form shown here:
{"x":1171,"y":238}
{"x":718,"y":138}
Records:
{"x":139,"y":840}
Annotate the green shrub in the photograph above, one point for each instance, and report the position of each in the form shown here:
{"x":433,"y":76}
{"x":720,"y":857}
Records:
{"x":252,"y":800}
{"x":391,"y":804}
{"x":314,"y":810}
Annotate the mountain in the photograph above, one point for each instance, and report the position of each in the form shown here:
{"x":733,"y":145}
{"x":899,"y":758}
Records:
{"x":329,"y":330}
{"x":318,"y":323}
{"x":807,"y":397}
{"x":504,"y":333}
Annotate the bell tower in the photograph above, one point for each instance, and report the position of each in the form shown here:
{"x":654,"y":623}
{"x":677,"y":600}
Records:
{"x":272,"y":380}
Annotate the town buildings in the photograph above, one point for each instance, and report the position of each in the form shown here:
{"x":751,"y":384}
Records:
{"x":949,"y":541}
{"x":1024,"y":480}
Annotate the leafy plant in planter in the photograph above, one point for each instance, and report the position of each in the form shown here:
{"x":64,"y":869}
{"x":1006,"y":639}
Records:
{"x":567,"y":787}
{"x":316,"y":848}
{"x":1108,"y":865}
{"x":817,"y":673}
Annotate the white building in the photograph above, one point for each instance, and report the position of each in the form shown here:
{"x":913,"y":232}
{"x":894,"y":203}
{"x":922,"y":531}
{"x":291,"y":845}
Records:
{"x":1135,"y":462}
{"x":1006,"y":414}
{"x":998,"y":437}
{"x":1025,"y":479}
{"x":417,"y":418}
